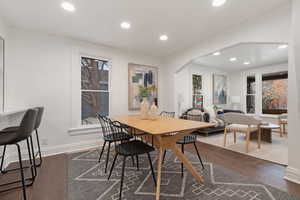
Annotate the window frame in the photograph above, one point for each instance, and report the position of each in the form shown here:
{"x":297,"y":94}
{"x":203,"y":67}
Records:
{"x":97,"y":91}
{"x":284,"y":75}
{"x":201,"y":92}
{"x":249,"y":94}
{"x":258,"y":72}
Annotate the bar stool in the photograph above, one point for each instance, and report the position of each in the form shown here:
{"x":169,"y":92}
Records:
{"x":15,"y":135}
{"x":40,"y":111}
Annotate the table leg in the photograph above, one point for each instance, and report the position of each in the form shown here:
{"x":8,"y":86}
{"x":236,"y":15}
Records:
{"x":158,"y":179}
{"x":186,"y":163}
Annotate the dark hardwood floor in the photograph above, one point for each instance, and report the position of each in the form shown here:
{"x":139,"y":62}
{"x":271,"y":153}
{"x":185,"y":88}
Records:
{"x":51,"y":182}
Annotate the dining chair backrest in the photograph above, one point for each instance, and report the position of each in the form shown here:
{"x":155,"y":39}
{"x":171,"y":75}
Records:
{"x":40,"y":111}
{"x":167,"y":114}
{"x":27,"y":124}
{"x":105,"y":124}
{"x":238,"y":118}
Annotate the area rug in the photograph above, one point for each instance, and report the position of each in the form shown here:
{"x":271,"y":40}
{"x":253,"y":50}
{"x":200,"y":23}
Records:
{"x":276,"y":152}
{"x":87,"y":181}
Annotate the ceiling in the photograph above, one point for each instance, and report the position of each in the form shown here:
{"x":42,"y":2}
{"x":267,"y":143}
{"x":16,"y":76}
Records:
{"x":98,"y":21}
{"x":257,"y":54}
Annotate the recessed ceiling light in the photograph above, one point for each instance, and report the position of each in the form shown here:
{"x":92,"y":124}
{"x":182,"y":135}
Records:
{"x":163,"y":37}
{"x":217,"y":53}
{"x":246,"y":63}
{"x":233,"y":59}
{"x":283,"y":46}
{"x":68,"y":6}
{"x":125,"y":25}
{"x":218,"y":3}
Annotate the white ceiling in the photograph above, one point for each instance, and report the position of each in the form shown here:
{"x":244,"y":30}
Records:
{"x":257,"y":54}
{"x":185,"y":22}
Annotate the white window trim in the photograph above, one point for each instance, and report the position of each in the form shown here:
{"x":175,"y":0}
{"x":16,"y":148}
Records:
{"x":76,"y":127}
{"x":258,"y":95}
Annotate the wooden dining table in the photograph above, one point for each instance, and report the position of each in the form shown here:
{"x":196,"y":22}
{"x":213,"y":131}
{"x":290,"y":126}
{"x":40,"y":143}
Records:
{"x":165,"y":131}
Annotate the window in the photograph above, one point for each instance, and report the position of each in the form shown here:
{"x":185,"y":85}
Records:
{"x":274,"y":93}
{"x":94,"y":89}
{"x":197,"y":91}
{"x":250,"y":97}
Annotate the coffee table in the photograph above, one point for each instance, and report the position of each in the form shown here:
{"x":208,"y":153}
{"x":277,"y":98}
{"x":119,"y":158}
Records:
{"x":266,"y":132}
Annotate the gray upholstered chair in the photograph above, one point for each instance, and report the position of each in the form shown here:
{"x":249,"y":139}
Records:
{"x":240,"y":123}
{"x":282,"y":121}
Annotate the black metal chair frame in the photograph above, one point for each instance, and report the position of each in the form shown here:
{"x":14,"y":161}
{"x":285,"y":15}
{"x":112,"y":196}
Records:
{"x":110,"y":137}
{"x":21,"y":134}
{"x":134,"y":147}
{"x":189,"y":139}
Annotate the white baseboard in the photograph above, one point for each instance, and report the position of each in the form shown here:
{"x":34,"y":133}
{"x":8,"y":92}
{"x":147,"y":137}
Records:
{"x":292,"y":175}
{"x":58,"y":149}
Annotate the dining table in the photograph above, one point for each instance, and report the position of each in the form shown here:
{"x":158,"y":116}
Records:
{"x":164,"y":132}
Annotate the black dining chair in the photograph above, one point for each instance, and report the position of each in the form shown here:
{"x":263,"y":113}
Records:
{"x":110,"y":137}
{"x":13,"y":136}
{"x":167,"y":114}
{"x":189,"y":139}
{"x":128,"y":149}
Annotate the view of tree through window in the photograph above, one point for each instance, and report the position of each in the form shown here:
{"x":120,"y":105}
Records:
{"x":274,"y":93}
{"x":197,"y":91}
{"x":94,"y":89}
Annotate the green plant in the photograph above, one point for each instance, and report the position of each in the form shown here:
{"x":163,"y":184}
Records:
{"x":145,"y":92}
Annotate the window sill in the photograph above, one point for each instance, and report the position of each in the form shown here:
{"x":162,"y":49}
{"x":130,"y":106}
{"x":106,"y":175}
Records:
{"x":85,"y":130}
{"x":269,"y":116}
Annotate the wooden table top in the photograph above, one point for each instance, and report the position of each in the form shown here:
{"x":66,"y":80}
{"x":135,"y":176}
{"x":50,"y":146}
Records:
{"x":162,"y":125}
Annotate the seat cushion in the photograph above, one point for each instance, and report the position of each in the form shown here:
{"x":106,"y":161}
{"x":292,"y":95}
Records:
{"x":187,"y":139}
{"x":241,"y":127}
{"x":134,"y":147}
{"x":117,"y":137}
{"x":9,"y":136}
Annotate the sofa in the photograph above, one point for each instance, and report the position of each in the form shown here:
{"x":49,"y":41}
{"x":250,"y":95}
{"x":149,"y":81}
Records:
{"x":202,"y":115}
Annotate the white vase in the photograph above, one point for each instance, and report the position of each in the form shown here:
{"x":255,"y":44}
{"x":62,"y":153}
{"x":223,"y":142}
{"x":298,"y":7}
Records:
{"x":153,"y":112}
{"x":144,"y":108}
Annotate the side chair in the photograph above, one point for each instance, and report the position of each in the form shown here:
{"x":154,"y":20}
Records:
{"x":128,"y":149}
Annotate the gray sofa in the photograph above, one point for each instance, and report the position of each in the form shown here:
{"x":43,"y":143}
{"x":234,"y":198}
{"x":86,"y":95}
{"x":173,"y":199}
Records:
{"x":206,"y":118}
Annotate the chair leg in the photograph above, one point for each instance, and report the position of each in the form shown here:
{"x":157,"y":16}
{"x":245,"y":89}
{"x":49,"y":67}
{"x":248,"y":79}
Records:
{"x":22,"y":172}
{"x":39,"y":148}
{"x":122,"y":177}
{"x":33,"y":153}
{"x":280,"y":125}
{"x":137,"y":163}
{"x":182,"y":150}
{"x":132,"y":158}
{"x":107,"y":157}
{"x":112,"y":166}
{"x":102,"y":150}
{"x":164,"y":156}
{"x":225,"y":136}
{"x":30,"y":161}
{"x":2,"y":160}
{"x":259,"y":137}
{"x":199,"y":157}
{"x":234,"y":135}
{"x":248,"y":142}
{"x":151,"y":166}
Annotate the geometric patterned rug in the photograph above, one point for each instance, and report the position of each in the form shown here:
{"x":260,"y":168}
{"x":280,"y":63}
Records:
{"x":87,"y":181}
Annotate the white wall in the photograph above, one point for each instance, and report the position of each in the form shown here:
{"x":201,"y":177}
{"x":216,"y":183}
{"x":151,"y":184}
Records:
{"x":39,"y":72}
{"x":183,"y":84}
{"x":293,"y":170}
{"x":273,"y":27}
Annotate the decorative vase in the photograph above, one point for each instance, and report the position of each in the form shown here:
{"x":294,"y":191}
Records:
{"x":153,"y":112}
{"x":144,"y":108}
